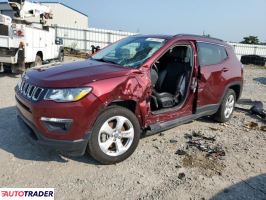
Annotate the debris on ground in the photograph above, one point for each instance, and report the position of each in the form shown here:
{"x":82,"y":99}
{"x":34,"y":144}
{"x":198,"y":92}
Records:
{"x":202,"y":152}
{"x":181,"y":152}
{"x":161,"y":134}
{"x":255,"y":109}
{"x":207,"y":167}
{"x":214,"y":129}
{"x":200,"y":135}
{"x":254,"y":126}
{"x":178,"y":166}
{"x":263,"y":128}
{"x":258,"y":110}
{"x":173,"y":141}
{"x":181,"y":175}
{"x":251,"y":125}
{"x":205,"y":144}
{"x":156,"y":147}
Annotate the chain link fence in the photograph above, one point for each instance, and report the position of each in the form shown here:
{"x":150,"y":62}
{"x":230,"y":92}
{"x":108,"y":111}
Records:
{"x":83,"y":39}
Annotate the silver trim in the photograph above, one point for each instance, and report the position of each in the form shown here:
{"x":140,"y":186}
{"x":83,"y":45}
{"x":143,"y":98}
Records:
{"x":29,"y":91}
{"x":25,"y":89}
{"x":56,"y":120}
{"x":36,"y":98}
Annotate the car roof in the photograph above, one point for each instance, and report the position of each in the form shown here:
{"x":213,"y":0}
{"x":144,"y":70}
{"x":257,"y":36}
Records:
{"x":198,"y":38}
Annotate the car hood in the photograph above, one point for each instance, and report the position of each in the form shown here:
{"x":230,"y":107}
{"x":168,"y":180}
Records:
{"x":74,"y":74}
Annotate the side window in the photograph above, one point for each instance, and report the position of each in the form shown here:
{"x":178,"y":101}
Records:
{"x":211,"y":54}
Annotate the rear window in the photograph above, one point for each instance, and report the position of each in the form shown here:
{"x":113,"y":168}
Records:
{"x":211,"y":54}
{"x":3,"y":30}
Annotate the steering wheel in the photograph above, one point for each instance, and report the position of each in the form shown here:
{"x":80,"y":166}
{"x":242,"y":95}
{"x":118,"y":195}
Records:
{"x":154,"y":66}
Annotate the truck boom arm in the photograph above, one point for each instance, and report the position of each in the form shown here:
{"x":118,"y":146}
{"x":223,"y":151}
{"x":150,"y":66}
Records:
{"x":25,"y":9}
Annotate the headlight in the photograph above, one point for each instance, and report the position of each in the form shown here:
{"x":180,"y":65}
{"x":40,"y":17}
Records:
{"x":67,"y":95}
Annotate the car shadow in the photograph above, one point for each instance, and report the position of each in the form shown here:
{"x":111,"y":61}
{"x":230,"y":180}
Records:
{"x":261,"y":80}
{"x":251,"y":189}
{"x":14,"y":141}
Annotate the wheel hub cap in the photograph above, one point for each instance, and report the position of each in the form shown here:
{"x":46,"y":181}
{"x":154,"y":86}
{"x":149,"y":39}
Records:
{"x":229,"y":106}
{"x":116,"y":136}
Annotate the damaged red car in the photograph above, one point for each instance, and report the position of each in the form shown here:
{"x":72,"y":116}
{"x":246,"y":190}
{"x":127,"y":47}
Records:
{"x":138,"y":86}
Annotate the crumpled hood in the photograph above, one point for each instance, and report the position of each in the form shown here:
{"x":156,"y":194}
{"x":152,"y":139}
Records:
{"x":74,"y":74}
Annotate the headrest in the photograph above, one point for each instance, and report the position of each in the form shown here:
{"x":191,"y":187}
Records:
{"x":125,"y":53}
{"x":179,"y":53}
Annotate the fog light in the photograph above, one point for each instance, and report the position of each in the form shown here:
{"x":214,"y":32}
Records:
{"x":56,"y":124}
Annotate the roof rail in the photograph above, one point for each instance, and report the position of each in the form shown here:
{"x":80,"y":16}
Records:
{"x":198,"y":36}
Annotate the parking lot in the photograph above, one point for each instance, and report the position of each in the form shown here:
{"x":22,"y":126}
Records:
{"x":154,"y":171}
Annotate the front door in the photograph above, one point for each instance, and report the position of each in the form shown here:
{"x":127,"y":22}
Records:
{"x":181,"y":53}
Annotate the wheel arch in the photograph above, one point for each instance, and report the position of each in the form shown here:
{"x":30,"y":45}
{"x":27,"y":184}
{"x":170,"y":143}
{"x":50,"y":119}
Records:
{"x":237,"y":90}
{"x":131,"y":105}
{"x":237,"y":86}
{"x":40,"y":53}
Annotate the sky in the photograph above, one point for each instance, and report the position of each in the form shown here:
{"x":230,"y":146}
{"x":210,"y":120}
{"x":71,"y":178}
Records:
{"x":230,"y":20}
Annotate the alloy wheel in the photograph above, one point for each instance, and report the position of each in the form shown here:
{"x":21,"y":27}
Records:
{"x":116,"y":136}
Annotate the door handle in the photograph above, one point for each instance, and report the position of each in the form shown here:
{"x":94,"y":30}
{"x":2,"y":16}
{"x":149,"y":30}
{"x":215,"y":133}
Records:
{"x":225,"y":69}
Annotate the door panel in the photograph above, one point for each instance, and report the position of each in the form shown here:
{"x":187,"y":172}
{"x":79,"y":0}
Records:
{"x":212,"y":73}
{"x":209,"y":85}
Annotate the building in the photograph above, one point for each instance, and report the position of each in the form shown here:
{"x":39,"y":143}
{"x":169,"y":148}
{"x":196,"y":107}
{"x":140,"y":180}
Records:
{"x":63,"y":15}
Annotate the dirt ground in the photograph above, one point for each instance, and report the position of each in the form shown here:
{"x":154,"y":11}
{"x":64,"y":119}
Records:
{"x":154,"y":171}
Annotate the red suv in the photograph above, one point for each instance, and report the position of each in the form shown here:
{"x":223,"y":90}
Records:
{"x":139,"y":85}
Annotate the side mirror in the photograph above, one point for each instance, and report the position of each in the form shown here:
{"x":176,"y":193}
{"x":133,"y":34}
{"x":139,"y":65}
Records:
{"x":59,"y":41}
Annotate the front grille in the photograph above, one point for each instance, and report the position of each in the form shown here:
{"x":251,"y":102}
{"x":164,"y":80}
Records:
{"x":30,"y":91}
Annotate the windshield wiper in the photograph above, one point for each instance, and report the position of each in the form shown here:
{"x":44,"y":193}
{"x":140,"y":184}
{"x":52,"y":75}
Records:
{"x":104,"y":60}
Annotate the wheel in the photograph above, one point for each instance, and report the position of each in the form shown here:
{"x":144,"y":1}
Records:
{"x":61,"y":57}
{"x":14,"y":69}
{"x":115,"y":135}
{"x":7,"y":69}
{"x":227,"y":106}
{"x":38,"y":61}
{"x":17,"y":69}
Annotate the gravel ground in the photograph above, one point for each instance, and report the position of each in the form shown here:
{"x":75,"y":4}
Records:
{"x":154,"y":171}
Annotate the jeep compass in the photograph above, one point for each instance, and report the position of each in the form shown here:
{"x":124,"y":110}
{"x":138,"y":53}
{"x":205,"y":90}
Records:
{"x":140,"y":85}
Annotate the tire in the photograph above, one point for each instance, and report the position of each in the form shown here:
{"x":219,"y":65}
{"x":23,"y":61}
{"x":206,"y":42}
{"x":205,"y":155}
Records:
{"x":61,"y":57}
{"x":38,"y":61}
{"x":227,"y":106}
{"x":14,"y":69}
{"x":7,"y":69}
{"x":103,"y":146}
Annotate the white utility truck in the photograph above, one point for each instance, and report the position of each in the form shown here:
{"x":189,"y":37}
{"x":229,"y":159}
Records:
{"x":25,"y":40}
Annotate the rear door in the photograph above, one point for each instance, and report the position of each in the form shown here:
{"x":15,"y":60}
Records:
{"x":211,"y":81}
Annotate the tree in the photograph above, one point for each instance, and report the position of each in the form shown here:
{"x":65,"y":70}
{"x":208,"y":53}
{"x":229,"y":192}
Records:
{"x":250,"y":40}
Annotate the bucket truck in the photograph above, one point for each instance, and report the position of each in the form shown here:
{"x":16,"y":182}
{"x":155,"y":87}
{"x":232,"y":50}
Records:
{"x":26,"y":40}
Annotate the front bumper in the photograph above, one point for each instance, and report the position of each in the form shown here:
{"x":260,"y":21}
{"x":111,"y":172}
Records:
{"x":71,"y":148}
{"x":8,"y":60}
{"x":74,"y":139}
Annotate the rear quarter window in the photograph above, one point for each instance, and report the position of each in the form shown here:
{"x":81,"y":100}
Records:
{"x":211,"y":54}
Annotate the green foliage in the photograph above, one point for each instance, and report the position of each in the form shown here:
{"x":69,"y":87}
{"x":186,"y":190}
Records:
{"x":250,"y":40}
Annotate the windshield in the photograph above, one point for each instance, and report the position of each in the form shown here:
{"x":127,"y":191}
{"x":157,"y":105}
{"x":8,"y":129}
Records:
{"x":130,"y":52}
